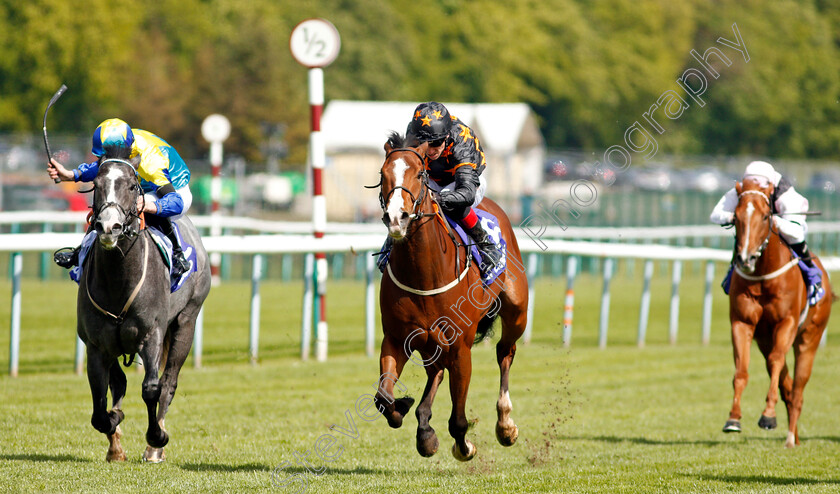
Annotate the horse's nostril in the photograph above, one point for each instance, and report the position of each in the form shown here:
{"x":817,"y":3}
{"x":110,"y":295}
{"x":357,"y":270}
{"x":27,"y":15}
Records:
{"x":404,"y":215}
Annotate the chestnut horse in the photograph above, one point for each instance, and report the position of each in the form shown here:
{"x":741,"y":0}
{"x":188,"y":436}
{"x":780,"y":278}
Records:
{"x":432,"y":301}
{"x":768,"y":302}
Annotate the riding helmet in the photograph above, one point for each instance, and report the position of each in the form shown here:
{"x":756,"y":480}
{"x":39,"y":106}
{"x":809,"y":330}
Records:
{"x":430,"y":122}
{"x":112,"y":133}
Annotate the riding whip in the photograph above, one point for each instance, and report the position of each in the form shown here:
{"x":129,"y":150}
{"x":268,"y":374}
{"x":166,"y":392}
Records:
{"x":46,"y":141}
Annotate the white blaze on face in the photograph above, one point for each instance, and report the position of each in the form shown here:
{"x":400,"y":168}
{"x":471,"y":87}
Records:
{"x":396,"y":202}
{"x":746,"y":246}
{"x":110,"y":215}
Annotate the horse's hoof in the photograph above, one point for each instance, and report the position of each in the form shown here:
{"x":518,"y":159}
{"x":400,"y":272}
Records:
{"x":154,"y":455}
{"x":159,"y":441}
{"x":115,"y":449}
{"x":732,"y":425}
{"x":427,"y":442}
{"x":471,"y":451}
{"x":790,"y":442}
{"x":118,"y":455}
{"x":768,"y":423}
{"x":507,"y":435}
{"x":401,"y":408}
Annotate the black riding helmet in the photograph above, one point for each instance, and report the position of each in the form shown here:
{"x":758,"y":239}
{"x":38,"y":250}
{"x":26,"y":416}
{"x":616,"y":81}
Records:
{"x":430,"y":122}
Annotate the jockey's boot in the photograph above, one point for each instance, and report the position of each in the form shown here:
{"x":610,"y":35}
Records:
{"x":812,"y":273}
{"x":67,"y":257}
{"x":180,"y":265}
{"x":384,"y":254}
{"x":727,"y":280}
{"x":489,"y":251}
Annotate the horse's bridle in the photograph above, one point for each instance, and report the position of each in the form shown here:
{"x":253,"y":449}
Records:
{"x":424,"y":180}
{"x":766,"y":241}
{"x":129,"y":215}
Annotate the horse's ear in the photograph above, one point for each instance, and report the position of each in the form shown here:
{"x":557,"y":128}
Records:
{"x":739,"y":187}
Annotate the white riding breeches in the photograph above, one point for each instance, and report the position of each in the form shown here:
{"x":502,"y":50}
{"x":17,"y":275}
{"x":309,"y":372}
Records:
{"x":186,"y":198}
{"x":479,"y":192}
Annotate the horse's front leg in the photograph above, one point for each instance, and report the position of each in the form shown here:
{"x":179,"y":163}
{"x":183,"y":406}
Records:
{"x":742,"y":335}
{"x":117,"y":383}
{"x":460,"y":373}
{"x":106,"y":422}
{"x":156,"y":437}
{"x":427,"y":441}
{"x":783,"y":336}
{"x":392,"y":359}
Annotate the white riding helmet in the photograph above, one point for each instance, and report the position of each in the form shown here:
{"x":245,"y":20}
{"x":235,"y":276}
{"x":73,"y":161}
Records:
{"x":763,"y":170}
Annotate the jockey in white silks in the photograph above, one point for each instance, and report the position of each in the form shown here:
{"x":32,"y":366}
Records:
{"x":785,"y":202}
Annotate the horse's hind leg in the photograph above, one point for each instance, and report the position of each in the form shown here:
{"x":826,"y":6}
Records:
{"x":459,"y":383}
{"x":427,"y":441}
{"x":768,"y":416}
{"x":804,"y":351}
{"x":179,"y":341}
{"x":783,"y":337}
{"x":514,"y":314}
{"x":392,"y":359}
{"x":117,"y":384}
{"x":98,"y":370}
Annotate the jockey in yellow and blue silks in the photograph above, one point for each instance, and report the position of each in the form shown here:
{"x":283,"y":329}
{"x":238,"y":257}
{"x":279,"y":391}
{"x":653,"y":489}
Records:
{"x":163,"y":174}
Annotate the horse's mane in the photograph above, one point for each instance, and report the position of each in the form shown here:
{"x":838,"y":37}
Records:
{"x":121,"y":153}
{"x":397,"y":140}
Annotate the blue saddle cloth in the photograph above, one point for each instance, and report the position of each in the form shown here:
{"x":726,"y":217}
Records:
{"x":490,"y":225}
{"x":164,"y":246}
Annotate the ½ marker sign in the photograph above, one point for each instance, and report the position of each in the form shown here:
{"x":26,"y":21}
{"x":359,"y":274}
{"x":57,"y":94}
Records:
{"x":315,"y":43}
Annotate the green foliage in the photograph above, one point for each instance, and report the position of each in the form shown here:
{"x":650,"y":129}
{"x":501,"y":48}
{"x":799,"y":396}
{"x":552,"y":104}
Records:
{"x":589,"y":69}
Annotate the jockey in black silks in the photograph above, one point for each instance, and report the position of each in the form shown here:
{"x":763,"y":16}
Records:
{"x":454,"y":160}
{"x":164,"y":178}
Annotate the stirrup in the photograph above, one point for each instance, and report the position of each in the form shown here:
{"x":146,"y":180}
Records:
{"x":179,"y":265}
{"x":815,"y":293}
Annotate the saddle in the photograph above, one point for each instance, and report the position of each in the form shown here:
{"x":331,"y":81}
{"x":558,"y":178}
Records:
{"x":164,"y":246}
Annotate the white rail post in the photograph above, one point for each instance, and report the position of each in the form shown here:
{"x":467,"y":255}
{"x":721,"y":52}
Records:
{"x":533,"y":262}
{"x":676,"y":275}
{"x":198,"y":339}
{"x":707,"y":303}
{"x":254,"y":341}
{"x":79,"y":360}
{"x":569,"y":306}
{"x":370,"y":303}
{"x":308,"y":297}
{"x":644,"y":309}
{"x":14,"y":340}
{"x":605,"y":304}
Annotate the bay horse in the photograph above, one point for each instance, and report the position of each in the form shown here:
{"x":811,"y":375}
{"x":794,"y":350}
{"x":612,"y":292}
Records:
{"x":124,"y":307}
{"x":432,"y":301}
{"x":768,"y":303}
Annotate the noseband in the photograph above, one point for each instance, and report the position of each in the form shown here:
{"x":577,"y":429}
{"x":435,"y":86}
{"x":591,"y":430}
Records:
{"x":766,"y":241}
{"x":424,"y":177}
{"x":129,"y":215}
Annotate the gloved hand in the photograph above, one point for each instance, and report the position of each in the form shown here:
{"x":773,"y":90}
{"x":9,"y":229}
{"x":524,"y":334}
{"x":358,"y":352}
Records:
{"x":466,"y":183}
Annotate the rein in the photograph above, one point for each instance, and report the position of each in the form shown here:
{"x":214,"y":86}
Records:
{"x":118,"y":320}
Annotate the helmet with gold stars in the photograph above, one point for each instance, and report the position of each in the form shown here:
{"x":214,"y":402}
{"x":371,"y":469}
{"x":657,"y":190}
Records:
{"x":430,"y":122}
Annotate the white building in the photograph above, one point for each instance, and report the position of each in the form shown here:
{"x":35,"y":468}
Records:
{"x":355,"y":133}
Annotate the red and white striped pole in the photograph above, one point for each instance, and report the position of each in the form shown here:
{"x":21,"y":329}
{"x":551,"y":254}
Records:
{"x":317,"y":154}
{"x":315,"y":43}
{"x":215,"y":129}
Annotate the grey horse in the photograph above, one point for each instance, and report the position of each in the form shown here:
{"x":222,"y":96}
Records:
{"x":125,"y":307}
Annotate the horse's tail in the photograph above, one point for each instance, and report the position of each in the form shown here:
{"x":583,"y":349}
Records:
{"x":485,"y":327}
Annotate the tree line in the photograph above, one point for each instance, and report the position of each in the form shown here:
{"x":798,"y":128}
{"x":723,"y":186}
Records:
{"x":590,"y":70}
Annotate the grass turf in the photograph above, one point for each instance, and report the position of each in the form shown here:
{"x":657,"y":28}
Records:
{"x":621,"y":419}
